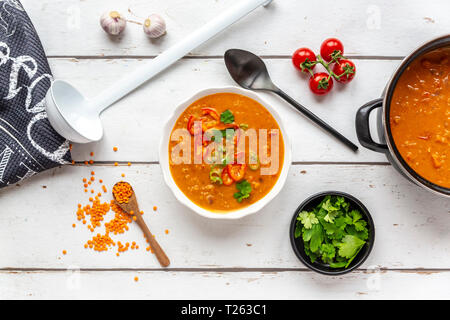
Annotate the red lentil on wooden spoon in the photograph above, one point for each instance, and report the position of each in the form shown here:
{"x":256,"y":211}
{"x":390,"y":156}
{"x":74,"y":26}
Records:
{"x":125,"y":198}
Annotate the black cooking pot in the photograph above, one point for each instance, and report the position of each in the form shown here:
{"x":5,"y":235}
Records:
{"x":387,"y":145}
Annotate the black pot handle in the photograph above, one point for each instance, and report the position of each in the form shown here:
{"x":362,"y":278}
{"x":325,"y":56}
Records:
{"x":363,"y":129}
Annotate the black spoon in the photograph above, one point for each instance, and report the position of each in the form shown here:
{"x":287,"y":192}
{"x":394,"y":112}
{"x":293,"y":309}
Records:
{"x":250,"y":72}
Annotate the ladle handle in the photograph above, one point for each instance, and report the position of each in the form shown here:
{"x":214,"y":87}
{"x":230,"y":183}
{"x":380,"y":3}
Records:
{"x":316,"y":120}
{"x":176,"y":52}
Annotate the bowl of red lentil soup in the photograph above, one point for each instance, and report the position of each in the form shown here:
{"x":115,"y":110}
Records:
{"x":225,"y":153}
{"x":414,"y":118}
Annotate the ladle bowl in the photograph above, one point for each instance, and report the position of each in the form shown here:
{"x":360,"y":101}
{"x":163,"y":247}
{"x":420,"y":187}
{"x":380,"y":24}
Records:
{"x":78,"y":120}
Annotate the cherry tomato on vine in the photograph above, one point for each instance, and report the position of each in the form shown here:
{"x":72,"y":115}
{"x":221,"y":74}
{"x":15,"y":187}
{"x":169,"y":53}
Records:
{"x":330,"y":48}
{"x":321,"y":83}
{"x":345,"y":70}
{"x":302,"y":59}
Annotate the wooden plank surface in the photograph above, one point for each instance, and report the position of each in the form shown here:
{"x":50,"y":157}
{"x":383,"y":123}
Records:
{"x":72,"y":284}
{"x":411,"y":225}
{"x":249,"y":258}
{"x":376,"y":28}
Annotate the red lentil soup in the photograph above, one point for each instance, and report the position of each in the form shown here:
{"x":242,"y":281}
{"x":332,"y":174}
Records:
{"x":420,"y":116}
{"x":226,"y":185}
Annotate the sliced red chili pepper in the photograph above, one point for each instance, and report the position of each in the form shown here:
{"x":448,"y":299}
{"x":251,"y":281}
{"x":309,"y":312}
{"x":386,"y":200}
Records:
{"x":212,"y":112}
{"x":236,"y":171}
{"x":226,"y":179}
{"x":190,"y":124}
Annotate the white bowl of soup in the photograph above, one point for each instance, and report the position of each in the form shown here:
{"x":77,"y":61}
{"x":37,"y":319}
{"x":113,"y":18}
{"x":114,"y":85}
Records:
{"x":225,"y":153}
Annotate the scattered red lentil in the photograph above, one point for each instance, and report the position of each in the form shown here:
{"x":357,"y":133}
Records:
{"x":167,"y":231}
{"x":155,"y":208}
{"x":115,"y":149}
{"x":136,"y":279}
{"x":92,"y":154}
{"x":64,"y":252}
{"x":97,"y":210}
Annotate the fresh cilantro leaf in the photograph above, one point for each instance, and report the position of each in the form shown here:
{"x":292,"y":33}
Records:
{"x":360,"y":225}
{"x":342,"y":221}
{"x":307,"y":219}
{"x":328,"y":206}
{"x":356,"y":215}
{"x":298,"y":230}
{"x":312,"y":255}
{"x":332,"y":231}
{"x":244,"y":189}
{"x":328,"y":252}
{"x":227,"y":117}
{"x":350,"y":246}
{"x":338,"y":264}
{"x":363,"y":234}
{"x":317,"y":237}
{"x":331,"y":215}
{"x":307,"y":234}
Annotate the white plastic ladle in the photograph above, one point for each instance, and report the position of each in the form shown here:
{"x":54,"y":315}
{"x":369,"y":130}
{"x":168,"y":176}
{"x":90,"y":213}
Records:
{"x":77,"y":118}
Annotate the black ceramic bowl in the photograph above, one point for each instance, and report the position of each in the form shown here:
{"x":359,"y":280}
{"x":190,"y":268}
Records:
{"x":298,"y":246}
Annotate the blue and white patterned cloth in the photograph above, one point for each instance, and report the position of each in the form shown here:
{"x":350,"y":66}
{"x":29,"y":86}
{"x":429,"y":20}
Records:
{"x":28,"y":143}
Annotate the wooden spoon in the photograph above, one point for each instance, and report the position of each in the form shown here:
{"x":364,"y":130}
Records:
{"x":132,"y":205}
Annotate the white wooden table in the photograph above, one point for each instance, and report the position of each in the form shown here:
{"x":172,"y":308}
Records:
{"x":249,"y":258}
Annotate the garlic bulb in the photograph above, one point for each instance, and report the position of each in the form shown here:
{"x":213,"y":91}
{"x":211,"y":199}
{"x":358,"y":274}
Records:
{"x":113,"y":23}
{"x":154,"y":26}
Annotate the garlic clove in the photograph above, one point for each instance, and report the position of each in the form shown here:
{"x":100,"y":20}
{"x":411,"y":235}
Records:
{"x":113,"y":23}
{"x":154,"y":26}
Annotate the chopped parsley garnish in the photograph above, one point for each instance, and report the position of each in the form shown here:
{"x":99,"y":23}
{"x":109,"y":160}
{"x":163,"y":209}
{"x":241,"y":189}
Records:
{"x":227,"y":117}
{"x":244,"y":189}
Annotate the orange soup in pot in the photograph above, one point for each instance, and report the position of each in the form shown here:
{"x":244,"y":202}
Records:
{"x":420,"y":116}
{"x":226,"y":179}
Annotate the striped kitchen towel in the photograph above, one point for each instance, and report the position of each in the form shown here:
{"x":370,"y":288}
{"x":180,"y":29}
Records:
{"x":28,"y":143}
